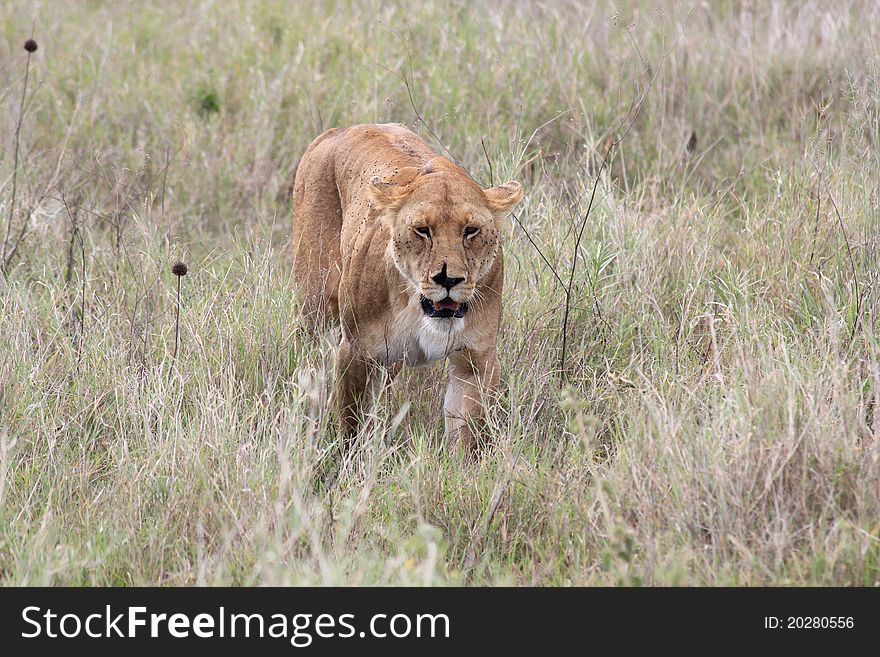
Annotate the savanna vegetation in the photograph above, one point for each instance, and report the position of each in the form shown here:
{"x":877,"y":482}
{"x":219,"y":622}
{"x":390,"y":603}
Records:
{"x":690,"y":346}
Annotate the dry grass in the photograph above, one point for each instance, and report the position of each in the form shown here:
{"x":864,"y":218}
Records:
{"x":717,"y":422}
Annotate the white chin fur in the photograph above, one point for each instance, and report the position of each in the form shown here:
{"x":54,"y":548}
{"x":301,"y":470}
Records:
{"x":444,"y":325}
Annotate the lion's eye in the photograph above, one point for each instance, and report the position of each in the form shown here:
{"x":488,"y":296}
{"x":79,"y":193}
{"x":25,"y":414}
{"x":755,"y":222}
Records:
{"x":470,"y":231}
{"x":424,"y":231}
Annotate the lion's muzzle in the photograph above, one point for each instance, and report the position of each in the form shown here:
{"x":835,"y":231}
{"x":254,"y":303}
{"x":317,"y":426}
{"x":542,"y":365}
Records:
{"x":443,"y":309}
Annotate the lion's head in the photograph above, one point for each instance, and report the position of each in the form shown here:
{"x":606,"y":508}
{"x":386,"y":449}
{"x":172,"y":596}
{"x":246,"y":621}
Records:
{"x":445,"y":234}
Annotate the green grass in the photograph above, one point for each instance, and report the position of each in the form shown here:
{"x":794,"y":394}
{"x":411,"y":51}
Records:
{"x":717,"y":419}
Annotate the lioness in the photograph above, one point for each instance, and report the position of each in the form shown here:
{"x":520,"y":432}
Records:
{"x":404,"y":249}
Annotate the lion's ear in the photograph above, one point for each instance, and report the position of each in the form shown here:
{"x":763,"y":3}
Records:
{"x":503,"y":198}
{"x":390,"y":193}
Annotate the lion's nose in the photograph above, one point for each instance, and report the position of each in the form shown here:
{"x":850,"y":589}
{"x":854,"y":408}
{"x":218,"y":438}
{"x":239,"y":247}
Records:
{"x":446,"y":281}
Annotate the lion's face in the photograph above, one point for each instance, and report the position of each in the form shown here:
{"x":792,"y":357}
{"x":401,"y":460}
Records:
{"x":445,"y":236}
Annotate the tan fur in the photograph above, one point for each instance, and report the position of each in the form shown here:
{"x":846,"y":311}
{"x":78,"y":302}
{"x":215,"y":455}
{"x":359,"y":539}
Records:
{"x":359,"y":194}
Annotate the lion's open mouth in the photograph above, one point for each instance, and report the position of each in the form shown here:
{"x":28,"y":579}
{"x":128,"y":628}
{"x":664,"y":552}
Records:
{"x":443,"y":308}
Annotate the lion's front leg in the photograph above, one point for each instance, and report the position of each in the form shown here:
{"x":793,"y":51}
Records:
{"x":355,"y":373}
{"x":472,"y":375}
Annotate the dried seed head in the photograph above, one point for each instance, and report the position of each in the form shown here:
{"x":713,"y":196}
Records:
{"x":179,"y":269}
{"x":30,"y":45}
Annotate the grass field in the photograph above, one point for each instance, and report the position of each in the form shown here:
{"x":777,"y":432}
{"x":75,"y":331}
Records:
{"x":714,"y":419}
